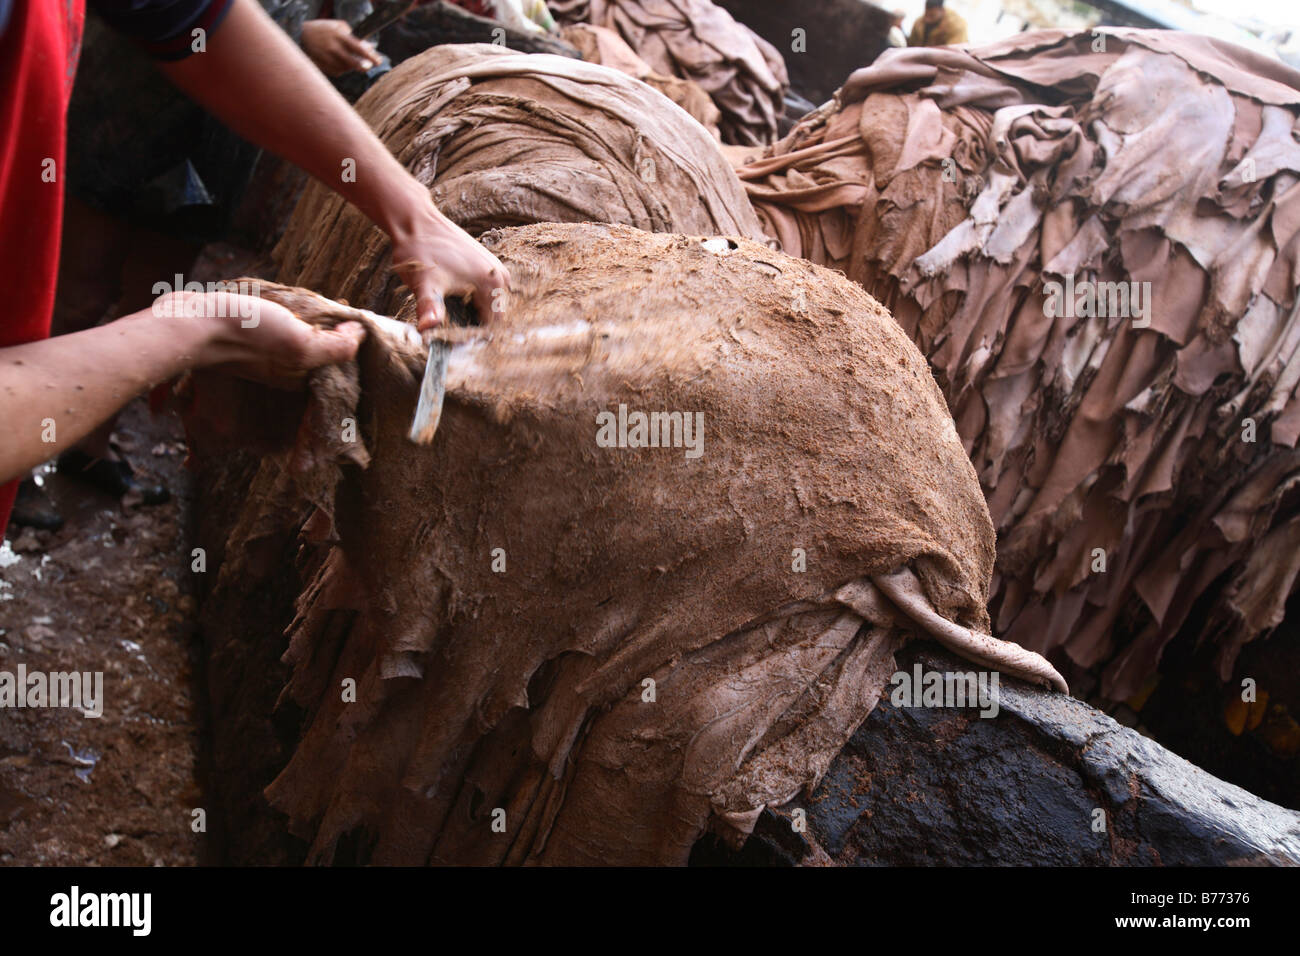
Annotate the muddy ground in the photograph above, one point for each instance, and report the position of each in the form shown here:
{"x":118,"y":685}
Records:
{"x":111,"y":591}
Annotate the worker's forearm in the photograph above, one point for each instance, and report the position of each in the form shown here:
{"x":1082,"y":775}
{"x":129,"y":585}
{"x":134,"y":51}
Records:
{"x":54,"y":392}
{"x":263,"y":86}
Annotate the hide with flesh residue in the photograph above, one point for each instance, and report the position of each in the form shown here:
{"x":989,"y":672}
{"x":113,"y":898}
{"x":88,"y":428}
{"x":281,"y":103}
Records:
{"x":604,"y":649}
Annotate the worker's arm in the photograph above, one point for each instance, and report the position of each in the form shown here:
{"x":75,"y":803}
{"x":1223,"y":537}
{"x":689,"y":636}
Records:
{"x":56,"y":391}
{"x":255,"y":79}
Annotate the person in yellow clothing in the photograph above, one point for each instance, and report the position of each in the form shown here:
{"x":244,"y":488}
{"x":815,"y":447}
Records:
{"x":938,"y":26}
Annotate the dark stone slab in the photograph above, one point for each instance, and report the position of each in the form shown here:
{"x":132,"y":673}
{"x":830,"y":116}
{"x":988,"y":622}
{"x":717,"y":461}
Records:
{"x":942,"y":785}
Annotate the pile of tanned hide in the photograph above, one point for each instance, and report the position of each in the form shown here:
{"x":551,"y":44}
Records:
{"x":699,"y":41}
{"x":604,"y":648}
{"x":505,"y":139}
{"x":604,"y":46}
{"x":1158,"y":443}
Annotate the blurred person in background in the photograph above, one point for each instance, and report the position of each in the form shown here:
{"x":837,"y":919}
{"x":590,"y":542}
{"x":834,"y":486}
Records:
{"x":938,"y":26}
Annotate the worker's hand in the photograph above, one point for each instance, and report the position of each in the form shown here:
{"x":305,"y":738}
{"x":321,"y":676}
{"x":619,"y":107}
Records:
{"x":335,"y":51}
{"x":259,"y":339}
{"x":436,"y":259}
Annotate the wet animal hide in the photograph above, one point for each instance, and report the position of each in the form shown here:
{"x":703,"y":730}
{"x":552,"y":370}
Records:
{"x":507,"y":139}
{"x":570,"y":641}
{"x":699,"y":41}
{"x":1094,"y":240}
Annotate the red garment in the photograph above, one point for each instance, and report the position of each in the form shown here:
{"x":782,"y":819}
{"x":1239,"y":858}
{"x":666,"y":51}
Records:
{"x":481,"y":7}
{"x":38,"y":59}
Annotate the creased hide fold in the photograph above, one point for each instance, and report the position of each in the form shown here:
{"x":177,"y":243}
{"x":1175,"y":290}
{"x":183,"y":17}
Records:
{"x":507,"y":139}
{"x":953,"y":184}
{"x":641,"y":659}
{"x":699,"y":41}
{"x":604,"y":46}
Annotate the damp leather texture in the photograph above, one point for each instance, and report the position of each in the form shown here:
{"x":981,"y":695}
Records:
{"x":664,"y":644}
{"x":507,"y":139}
{"x":604,"y":46}
{"x":699,"y":41}
{"x":954,"y":183}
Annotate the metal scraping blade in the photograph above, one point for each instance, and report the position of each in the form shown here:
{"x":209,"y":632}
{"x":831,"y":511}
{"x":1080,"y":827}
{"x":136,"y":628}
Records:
{"x":433,"y":390}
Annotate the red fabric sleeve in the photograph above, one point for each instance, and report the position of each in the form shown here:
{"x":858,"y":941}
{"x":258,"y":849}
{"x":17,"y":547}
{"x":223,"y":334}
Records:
{"x":38,"y":56}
